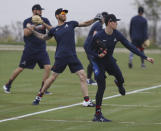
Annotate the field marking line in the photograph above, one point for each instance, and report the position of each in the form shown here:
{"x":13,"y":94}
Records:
{"x":73,"y":105}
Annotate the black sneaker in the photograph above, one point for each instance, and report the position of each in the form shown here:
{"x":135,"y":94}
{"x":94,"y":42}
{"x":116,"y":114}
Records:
{"x":130,"y":65}
{"x":6,"y":89}
{"x":36,"y":101}
{"x":100,"y":118}
{"x":91,"y":82}
{"x":47,"y":93}
{"x":121,"y":88}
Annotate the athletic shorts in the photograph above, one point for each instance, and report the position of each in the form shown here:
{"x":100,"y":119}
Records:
{"x":72,"y":62}
{"x":29,"y":60}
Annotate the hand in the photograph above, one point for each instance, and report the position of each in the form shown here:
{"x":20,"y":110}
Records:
{"x":98,"y":17}
{"x":151,"y":60}
{"x":30,"y":27}
{"x":36,"y":19}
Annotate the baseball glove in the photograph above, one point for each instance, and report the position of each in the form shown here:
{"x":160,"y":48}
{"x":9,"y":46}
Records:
{"x":146,"y":44}
{"x":100,"y":47}
{"x":36,"y":19}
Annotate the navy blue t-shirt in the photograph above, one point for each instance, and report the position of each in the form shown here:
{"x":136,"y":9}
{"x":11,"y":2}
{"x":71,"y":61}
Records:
{"x":110,"y":42}
{"x":95,"y":27}
{"x":32,"y":43}
{"x":138,"y":28}
{"x":65,"y":38}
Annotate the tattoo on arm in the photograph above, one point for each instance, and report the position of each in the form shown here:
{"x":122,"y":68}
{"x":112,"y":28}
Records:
{"x":41,"y":36}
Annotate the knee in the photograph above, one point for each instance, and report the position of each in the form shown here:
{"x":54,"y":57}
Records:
{"x":47,"y":67}
{"x":19,"y":69}
{"x":82,"y":76}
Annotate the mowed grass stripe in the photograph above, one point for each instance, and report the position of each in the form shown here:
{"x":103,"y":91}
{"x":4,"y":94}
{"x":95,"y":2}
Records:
{"x":73,"y":105}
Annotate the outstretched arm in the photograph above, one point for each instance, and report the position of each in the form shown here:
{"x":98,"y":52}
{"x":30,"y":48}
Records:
{"x":89,"y":22}
{"x":133,"y":49}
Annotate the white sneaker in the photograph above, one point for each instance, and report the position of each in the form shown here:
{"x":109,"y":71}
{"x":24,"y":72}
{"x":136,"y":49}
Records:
{"x":88,"y":104}
{"x":6,"y":89}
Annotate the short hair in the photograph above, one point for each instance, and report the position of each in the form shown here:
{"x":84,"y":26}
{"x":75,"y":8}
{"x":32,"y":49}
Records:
{"x":140,"y":9}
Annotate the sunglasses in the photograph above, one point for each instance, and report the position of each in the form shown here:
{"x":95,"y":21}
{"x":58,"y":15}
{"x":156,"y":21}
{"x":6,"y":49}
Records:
{"x":63,"y":13}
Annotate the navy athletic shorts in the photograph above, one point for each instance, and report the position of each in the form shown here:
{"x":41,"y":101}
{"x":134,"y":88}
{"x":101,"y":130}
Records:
{"x":72,"y":62}
{"x":29,"y":59}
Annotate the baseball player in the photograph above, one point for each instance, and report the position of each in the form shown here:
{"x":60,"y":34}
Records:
{"x":98,"y":26}
{"x":34,"y":50}
{"x":65,"y":54}
{"x":138,"y":34}
{"x":103,"y":60}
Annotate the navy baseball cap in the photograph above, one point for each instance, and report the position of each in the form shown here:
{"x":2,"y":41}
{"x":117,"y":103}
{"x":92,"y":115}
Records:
{"x":37,"y":7}
{"x":58,"y":11}
{"x":104,"y":14}
{"x":111,"y":18}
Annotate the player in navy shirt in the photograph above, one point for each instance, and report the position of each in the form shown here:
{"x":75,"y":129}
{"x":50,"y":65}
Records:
{"x":138,"y":34}
{"x":65,"y":54}
{"x":98,"y":26}
{"x":105,"y":62}
{"x":34,"y":50}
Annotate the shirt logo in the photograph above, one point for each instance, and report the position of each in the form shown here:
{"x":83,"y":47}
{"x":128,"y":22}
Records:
{"x":23,"y":63}
{"x":57,"y":29}
{"x":115,"y":40}
{"x":66,"y":26}
{"x":104,"y":40}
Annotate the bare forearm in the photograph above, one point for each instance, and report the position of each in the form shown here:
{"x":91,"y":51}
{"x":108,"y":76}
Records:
{"x":41,"y":36}
{"x":48,"y":27}
{"x":87,"y":23}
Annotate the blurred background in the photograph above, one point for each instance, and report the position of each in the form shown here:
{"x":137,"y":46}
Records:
{"x":13,"y":13}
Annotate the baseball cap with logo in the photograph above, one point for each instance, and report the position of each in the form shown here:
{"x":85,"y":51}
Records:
{"x":58,"y":11}
{"x":37,"y":7}
{"x":111,"y":18}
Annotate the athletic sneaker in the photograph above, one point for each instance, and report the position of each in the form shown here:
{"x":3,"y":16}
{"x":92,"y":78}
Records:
{"x":47,"y":93}
{"x":130,"y":65}
{"x":88,"y":104}
{"x":100,"y":118}
{"x":36,"y":101}
{"x":6,"y":89}
{"x":91,"y":82}
{"x":121,"y":88}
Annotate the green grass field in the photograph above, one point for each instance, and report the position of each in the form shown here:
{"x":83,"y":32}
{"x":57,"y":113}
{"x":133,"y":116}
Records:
{"x":134,"y":112}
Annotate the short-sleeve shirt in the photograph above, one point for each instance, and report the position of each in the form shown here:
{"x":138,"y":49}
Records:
{"x":32,"y":43}
{"x":65,"y":38}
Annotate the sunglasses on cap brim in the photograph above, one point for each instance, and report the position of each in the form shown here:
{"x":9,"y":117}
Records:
{"x":63,"y":13}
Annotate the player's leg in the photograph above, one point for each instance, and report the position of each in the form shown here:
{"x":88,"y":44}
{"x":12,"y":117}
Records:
{"x":113,"y":69}
{"x":142,"y":60}
{"x":43,"y":61}
{"x":87,"y":102}
{"x":16,"y":72}
{"x":75,"y":66}
{"x":90,"y":81}
{"x":101,"y":83}
{"x":47,"y":69}
{"x":57,"y":68}
{"x":130,"y":65}
{"x":46,"y":85}
{"x":83,"y":83}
